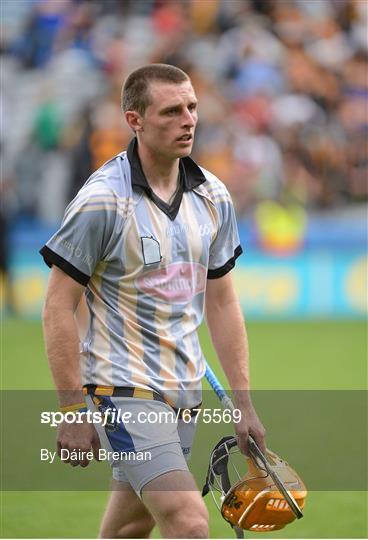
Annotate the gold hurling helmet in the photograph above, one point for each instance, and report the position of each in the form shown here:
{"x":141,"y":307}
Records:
{"x":266,"y":498}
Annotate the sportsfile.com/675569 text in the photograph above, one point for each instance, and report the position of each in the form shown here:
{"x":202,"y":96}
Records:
{"x":112,"y":416}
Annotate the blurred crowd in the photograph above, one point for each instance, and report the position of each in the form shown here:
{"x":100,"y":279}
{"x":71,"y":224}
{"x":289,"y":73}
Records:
{"x":282,"y":88}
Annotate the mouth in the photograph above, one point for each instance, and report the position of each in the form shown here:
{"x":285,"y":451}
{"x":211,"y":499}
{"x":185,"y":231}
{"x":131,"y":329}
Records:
{"x":185,"y":138}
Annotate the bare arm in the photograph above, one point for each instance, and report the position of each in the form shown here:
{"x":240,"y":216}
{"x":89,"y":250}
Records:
{"x":62,"y":347}
{"x":226,"y":325}
{"x":61,"y":335}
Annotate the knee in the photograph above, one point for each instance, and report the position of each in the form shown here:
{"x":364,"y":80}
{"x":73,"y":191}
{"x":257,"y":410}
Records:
{"x":141,"y":528}
{"x":138,"y":529}
{"x":195,"y":528}
{"x":189,"y":524}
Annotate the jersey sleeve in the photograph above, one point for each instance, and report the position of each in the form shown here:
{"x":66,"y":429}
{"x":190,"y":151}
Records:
{"x":225,"y":248}
{"x":83,"y":238}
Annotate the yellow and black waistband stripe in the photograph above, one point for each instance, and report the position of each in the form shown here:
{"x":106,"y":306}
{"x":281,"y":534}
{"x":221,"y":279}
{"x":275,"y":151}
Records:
{"x":122,"y":391}
{"x":142,"y":393}
{"x":138,"y":393}
{"x":104,"y":391}
{"x":73,"y":408}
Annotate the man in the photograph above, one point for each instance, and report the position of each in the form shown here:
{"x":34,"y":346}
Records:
{"x":149,"y":238}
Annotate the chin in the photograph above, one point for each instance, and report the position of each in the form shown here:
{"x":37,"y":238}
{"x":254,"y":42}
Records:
{"x":184,"y":152}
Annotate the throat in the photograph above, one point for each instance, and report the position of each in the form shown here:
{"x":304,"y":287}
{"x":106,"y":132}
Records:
{"x":167,"y":195}
{"x":164,"y":181}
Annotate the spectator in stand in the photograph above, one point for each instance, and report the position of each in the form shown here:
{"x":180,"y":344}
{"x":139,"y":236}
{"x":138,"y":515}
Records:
{"x":282,"y":87}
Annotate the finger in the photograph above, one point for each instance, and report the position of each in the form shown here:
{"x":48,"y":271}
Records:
{"x":243,"y":443}
{"x":74,"y":459}
{"x":84,"y":462}
{"x":262,"y":445}
{"x":96,"y":447}
{"x":66,"y":456}
{"x":260,"y":441}
{"x":244,"y":448}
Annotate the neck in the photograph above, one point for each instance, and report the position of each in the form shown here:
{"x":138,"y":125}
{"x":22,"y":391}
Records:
{"x":160,"y":171}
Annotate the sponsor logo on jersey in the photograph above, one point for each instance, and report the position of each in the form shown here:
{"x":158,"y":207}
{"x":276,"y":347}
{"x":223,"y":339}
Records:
{"x":175,"y":283}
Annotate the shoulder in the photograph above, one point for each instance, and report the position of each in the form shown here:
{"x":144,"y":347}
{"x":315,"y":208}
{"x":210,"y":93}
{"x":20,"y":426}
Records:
{"x":213,"y":189}
{"x":110,"y":178}
{"x":108,"y":187}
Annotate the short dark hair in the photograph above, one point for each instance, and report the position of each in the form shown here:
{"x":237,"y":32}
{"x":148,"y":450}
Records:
{"x":135,"y":94}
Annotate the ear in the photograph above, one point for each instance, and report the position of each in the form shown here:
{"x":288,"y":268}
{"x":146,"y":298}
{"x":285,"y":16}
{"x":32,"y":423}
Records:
{"x":134,"y":120}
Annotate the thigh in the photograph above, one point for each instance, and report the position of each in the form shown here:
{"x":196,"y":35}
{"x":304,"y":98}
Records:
{"x":173,"y":500}
{"x":168,"y":483}
{"x":125,"y":516}
{"x":158,"y":461}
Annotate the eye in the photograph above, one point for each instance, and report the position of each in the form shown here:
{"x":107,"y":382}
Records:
{"x":192,"y":107}
{"x":172,"y":112}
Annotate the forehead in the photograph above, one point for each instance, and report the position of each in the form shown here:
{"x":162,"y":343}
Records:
{"x":165,"y":94}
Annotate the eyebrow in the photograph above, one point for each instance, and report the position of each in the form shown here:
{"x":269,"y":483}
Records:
{"x":177,"y":106}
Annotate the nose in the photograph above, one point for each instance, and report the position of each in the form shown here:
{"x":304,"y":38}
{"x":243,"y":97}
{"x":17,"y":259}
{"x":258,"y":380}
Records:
{"x":189,"y":118}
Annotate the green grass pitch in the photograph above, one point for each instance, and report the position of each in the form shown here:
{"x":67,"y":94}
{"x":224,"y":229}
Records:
{"x":284,"y":355}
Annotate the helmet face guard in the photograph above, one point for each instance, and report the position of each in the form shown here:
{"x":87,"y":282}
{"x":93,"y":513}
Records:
{"x":266,"y":498}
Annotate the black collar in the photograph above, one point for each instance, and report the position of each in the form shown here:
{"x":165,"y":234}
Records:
{"x":191,"y":175}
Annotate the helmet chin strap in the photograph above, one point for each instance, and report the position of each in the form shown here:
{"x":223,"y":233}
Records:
{"x":218,"y":464}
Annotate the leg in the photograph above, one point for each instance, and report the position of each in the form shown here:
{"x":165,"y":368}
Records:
{"x":168,"y":491}
{"x":176,"y":505}
{"x":125,"y":515}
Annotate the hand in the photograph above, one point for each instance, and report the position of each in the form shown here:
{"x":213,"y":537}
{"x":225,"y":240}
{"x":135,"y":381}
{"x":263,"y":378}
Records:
{"x":79,"y":437}
{"x":250,"y":424}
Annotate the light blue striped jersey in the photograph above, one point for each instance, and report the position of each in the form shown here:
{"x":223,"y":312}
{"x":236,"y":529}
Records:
{"x":145,"y":265}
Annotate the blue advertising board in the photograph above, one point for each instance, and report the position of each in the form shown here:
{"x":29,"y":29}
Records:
{"x":311,"y":284}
